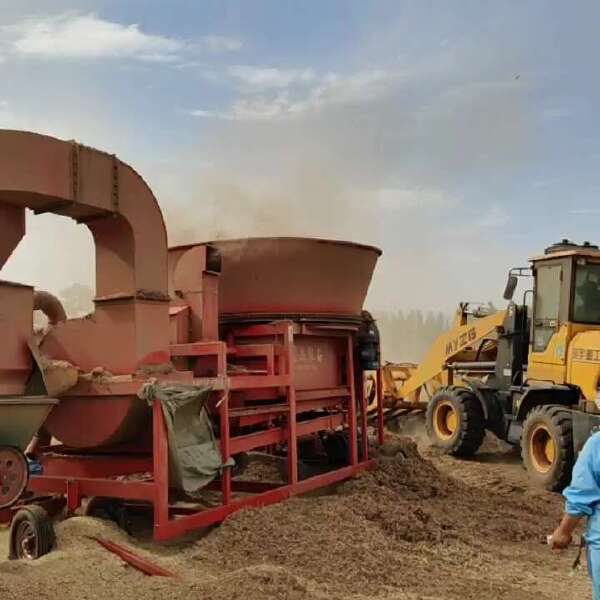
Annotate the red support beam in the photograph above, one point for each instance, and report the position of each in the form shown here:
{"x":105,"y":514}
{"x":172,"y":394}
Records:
{"x":246,"y":487}
{"x":161,"y":466}
{"x":277,"y":435}
{"x":292,"y":440}
{"x":73,"y":495}
{"x":241,"y":382}
{"x":183,"y":525}
{"x":269,"y":329}
{"x":335,"y":393}
{"x":353,"y":437}
{"x":259,"y":439}
{"x":198,"y":349}
{"x":225,"y":444}
{"x":363,"y":414}
{"x":380,"y":419}
{"x":102,"y":466}
{"x":87,"y":487}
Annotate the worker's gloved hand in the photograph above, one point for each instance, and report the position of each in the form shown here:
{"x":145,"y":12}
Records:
{"x":559,"y":540}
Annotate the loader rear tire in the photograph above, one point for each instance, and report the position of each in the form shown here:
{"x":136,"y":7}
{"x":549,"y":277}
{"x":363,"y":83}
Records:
{"x":455,"y":421}
{"x":547,"y":447}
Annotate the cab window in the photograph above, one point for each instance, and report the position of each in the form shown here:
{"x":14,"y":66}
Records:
{"x":586,"y":299}
{"x":547,"y":304}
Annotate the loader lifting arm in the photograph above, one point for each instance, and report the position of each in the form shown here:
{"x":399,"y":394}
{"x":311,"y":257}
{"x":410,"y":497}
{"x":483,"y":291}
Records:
{"x":449,"y":347}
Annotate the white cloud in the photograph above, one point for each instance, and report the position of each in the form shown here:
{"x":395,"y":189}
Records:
{"x":220,"y":43}
{"x":413,"y":199}
{"x":584,"y":211}
{"x":497,"y":216}
{"x":269,"y":77}
{"x":77,"y":36}
{"x":315,"y":93}
{"x":249,"y":110}
{"x":204,"y":113}
{"x":87,"y":36}
{"x":556,"y":112}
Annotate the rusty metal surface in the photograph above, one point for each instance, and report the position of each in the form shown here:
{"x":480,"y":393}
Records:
{"x":57,"y":376}
{"x":94,"y":188}
{"x":16,"y":322}
{"x":129,"y":330}
{"x":316,"y":362}
{"x":130,"y":326}
{"x":14,"y":475}
{"x":92,"y":421}
{"x":192,"y":280}
{"x":20,"y":419}
{"x":293,"y":275}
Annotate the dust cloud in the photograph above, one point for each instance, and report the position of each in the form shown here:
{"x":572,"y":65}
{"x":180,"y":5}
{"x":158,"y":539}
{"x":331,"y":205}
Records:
{"x":392,"y":158}
{"x":385,"y":166}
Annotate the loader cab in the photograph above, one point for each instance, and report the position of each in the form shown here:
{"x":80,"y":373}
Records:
{"x":566,"y":302}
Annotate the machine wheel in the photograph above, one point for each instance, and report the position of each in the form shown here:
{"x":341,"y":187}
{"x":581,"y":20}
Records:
{"x":14,"y":475}
{"x":547,"y":446}
{"x":31,"y":533}
{"x":455,"y":421}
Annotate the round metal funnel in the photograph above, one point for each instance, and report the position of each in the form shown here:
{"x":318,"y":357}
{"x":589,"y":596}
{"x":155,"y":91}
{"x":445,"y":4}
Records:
{"x":294,"y":276}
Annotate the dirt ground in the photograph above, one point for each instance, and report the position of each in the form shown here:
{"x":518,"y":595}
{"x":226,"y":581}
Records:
{"x":422,"y":526}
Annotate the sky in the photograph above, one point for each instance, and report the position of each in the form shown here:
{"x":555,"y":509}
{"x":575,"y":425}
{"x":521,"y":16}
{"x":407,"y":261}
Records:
{"x":461,"y":138}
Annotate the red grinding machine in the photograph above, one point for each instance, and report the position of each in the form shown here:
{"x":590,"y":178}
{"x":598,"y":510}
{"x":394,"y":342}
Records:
{"x":265,"y":339}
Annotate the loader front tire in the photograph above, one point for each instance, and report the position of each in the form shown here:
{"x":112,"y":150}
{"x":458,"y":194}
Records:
{"x":547,"y":447}
{"x":455,"y":421}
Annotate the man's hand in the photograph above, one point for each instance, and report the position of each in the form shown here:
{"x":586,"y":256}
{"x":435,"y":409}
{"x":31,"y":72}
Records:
{"x":563,"y":534}
{"x":560,"y":539}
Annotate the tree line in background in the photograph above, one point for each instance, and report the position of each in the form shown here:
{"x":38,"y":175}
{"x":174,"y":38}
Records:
{"x":407,"y":335}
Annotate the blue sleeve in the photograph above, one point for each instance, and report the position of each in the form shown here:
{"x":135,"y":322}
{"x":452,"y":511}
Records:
{"x":584,"y":492}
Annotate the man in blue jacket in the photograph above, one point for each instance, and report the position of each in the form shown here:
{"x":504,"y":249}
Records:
{"x":583,"y":500}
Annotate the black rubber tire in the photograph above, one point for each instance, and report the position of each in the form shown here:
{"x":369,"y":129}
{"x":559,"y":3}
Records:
{"x":337,"y":447}
{"x":558,"y":421}
{"x":108,"y":509}
{"x":305,"y":470}
{"x":35,"y":520}
{"x":470,"y":429}
{"x":242,"y":461}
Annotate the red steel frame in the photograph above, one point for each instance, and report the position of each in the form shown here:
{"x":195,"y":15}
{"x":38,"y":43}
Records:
{"x":77,"y":477}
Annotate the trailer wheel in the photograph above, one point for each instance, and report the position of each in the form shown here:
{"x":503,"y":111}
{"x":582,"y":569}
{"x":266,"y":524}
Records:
{"x":547,"y":446}
{"x":31,"y":533}
{"x":455,"y":421}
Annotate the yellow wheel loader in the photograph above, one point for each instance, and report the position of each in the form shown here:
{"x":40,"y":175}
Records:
{"x":530,"y":375}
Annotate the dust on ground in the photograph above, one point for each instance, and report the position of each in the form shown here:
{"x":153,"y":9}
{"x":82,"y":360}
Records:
{"x":419,"y":527}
